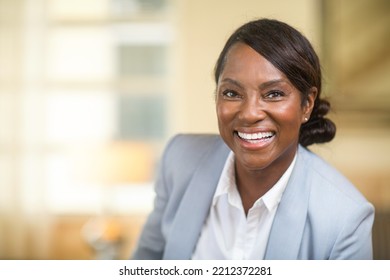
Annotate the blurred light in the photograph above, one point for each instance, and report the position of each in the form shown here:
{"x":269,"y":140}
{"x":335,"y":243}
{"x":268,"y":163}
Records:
{"x":117,"y":163}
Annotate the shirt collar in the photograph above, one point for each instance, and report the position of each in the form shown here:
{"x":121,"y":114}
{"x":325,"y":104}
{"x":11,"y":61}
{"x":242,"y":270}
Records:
{"x":272,"y":198}
{"x":227,"y":181}
{"x":227,"y":186}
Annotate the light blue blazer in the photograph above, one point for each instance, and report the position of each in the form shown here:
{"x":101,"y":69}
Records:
{"x":321,"y":214}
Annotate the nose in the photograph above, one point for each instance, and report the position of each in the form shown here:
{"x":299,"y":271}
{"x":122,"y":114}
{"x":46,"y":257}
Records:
{"x":252,"y":111}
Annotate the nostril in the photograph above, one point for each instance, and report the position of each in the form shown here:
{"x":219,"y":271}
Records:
{"x":252,"y":114}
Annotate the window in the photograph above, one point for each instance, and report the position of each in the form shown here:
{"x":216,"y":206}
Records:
{"x":106,"y":82}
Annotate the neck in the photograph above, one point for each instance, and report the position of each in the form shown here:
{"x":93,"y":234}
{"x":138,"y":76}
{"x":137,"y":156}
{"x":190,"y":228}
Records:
{"x":253,"y":184}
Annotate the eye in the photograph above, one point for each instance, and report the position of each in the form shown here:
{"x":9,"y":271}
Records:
{"x":274,"y":94}
{"x":230,"y":94}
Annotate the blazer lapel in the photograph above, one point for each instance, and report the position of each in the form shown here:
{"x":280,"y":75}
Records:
{"x":195,"y":205}
{"x":287,"y":229}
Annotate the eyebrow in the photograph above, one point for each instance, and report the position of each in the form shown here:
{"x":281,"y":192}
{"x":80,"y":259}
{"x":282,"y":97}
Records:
{"x":261,"y":87}
{"x":232,"y":81}
{"x":272,"y":83}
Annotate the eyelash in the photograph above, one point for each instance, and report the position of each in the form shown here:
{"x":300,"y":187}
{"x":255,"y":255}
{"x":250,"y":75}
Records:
{"x":234,"y":94}
{"x":271,"y":94}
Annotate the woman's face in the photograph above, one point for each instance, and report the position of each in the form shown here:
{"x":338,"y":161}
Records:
{"x":259,"y":111}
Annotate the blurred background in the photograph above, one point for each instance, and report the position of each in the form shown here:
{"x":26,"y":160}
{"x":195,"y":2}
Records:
{"x":91,"y":91}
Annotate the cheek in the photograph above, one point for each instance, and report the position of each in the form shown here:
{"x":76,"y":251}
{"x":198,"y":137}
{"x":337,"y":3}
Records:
{"x":225,"y":113}
{"x":290,"y":116}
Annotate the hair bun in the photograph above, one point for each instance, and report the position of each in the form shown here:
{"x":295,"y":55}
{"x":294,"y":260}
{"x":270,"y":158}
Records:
{"x":318,"y":129}
{"x":321,"y":108}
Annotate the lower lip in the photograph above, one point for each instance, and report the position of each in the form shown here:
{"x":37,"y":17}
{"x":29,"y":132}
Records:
{"x":255,"y":144}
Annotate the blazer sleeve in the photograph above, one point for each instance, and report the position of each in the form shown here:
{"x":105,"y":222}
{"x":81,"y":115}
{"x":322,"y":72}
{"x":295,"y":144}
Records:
{"x":152,"y":241}
{"x":182,"y":157}
{"x":354,"y":241}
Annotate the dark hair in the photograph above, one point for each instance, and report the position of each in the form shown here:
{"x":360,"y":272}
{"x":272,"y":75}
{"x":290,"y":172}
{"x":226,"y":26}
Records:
{"x":289,"y":51}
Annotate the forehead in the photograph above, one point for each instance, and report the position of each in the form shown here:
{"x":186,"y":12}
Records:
{"x":244,"y":63}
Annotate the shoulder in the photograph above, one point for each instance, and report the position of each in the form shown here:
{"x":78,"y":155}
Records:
{"x":334,"y":200}
{"x":327,"y":179}
{"x":194,"y":140}
{"x":190,"y":147}
{"x":185,"y":152}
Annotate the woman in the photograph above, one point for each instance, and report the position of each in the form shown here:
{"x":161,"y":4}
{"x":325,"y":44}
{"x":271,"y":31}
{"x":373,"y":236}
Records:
{"x":256,"y":191}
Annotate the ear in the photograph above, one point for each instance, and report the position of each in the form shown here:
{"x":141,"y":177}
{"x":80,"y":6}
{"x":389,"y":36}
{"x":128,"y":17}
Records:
{"x":308,"y":104}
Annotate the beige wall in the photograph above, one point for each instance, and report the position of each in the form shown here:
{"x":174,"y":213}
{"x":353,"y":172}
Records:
{"x":203,"y":26}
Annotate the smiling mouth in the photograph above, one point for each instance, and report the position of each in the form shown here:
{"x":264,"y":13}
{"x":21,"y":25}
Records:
{"x":255,"y":137}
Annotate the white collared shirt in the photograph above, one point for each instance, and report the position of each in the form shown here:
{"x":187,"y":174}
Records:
{"x":228,"y":233}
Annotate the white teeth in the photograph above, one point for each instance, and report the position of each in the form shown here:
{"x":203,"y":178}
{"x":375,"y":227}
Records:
{"x":255,"y":136}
